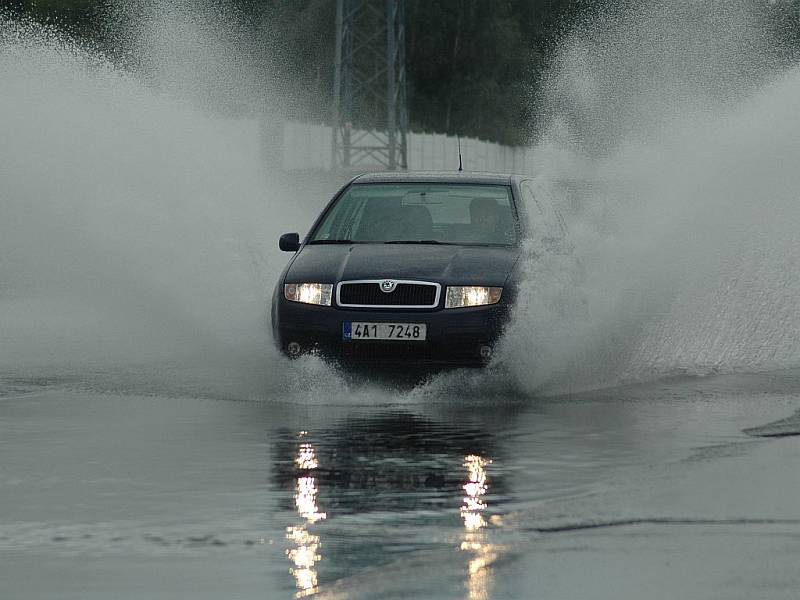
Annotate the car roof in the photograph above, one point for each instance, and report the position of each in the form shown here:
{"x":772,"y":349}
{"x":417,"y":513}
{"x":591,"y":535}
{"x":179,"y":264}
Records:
{"x":467,"y":177}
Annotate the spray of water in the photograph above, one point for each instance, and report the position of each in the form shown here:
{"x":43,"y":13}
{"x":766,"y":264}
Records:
{"x":672,"y":141}
{"x":138,"y":229}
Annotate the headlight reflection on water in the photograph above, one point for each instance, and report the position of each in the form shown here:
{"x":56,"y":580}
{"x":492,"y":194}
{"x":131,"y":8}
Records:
{"x":304,"y":555}
{"x":474,"y":540}
{"x":304,"y":552}
{"x":306,"y":457}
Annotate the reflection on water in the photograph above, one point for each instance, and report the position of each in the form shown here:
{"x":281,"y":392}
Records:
{"x":306,"y":455}
{"x":304,"y":551}
{"x":304,"y":555}
{"x":473,"y":540}
{"x":475,"y":488}
{"x":399,"y":473}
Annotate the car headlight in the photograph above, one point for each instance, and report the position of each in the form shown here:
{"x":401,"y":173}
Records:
{"x":309,"y":293}
{"x":461,"y":296}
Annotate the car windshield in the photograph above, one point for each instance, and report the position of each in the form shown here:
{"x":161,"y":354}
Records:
{"x":410,"y":213}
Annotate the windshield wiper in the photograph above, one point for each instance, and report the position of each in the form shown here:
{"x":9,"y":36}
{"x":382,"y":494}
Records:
{"x":418,"y":242}
{"x":389,"y":242}
{"x":333,"y":242}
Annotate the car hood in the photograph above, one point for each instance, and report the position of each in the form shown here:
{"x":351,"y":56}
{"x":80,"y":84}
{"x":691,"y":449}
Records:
{"x":455,"y":265}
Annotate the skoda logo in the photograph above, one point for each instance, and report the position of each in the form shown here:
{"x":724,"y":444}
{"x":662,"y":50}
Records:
{"x":388,"y":286}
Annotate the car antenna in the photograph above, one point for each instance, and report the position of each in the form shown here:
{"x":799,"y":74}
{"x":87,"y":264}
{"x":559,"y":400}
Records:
{"x":460,"y":165}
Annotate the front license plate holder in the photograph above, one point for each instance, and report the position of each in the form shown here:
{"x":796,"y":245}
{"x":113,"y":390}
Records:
{"x":384,"y":331}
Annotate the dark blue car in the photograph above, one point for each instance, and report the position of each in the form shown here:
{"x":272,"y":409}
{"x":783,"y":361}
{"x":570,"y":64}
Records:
{"x":410,"y":268}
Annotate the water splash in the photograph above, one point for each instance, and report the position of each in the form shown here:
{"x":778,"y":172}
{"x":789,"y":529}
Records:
{"x":137,"y":239}
{"x":672,"y":139}
{"x":138,"y":231}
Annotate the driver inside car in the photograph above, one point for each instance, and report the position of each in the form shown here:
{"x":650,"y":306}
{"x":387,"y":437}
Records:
{"x":485,"y":221}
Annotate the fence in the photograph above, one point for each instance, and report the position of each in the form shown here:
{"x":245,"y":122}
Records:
{"x":308,"y":146}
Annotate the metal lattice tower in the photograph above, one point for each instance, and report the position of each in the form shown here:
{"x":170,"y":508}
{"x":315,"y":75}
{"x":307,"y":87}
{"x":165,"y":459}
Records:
{"x":370,"y":119}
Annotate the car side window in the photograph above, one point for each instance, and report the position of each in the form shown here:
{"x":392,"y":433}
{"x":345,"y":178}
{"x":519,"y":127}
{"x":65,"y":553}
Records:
{"x":550,"y":225}
{"x":536,"y":215}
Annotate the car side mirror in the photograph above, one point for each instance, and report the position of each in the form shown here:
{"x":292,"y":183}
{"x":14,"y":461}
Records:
{"x":289,"y":242}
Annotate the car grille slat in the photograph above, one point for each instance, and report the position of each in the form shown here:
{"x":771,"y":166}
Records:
{"x":422,"y":295}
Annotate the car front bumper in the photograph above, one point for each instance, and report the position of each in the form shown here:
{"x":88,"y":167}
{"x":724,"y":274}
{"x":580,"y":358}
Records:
{"x":454,"y":336}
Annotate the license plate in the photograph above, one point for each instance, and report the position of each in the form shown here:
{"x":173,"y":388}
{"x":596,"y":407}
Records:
{"x":384,"y":331}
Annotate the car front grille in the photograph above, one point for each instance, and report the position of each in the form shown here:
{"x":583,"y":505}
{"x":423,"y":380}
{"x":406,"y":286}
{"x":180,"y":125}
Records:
{"x":406,"y":294}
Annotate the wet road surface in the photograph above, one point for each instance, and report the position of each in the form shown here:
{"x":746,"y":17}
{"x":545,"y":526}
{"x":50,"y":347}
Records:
{"x":647,"y":491}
